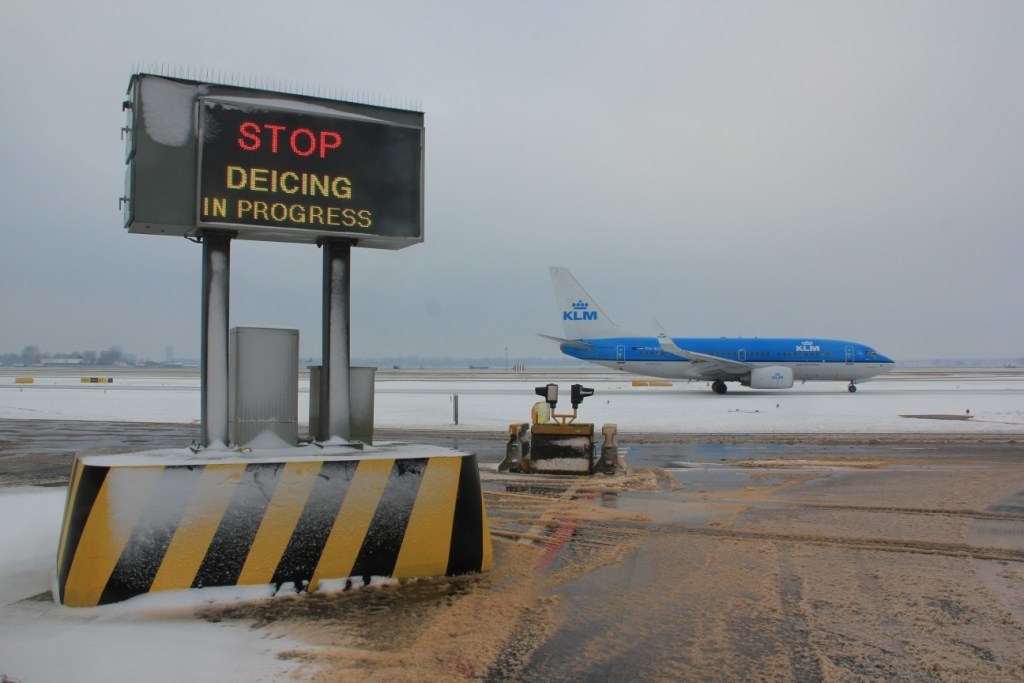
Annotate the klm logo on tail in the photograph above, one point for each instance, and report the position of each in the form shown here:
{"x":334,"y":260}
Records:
{"x":579,"y":312}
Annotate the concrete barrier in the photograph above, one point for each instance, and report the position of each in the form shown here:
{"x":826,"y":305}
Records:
{"x":172,"y":520}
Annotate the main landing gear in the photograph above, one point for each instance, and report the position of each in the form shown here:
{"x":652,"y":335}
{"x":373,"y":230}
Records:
{"x":719,"y":387}
{"x":852,"y":388}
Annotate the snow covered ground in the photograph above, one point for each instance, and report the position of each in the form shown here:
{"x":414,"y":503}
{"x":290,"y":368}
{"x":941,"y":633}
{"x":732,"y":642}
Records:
{"x":157,"y":638}
{"x":994,"y":399}
{"x":153,"y":638}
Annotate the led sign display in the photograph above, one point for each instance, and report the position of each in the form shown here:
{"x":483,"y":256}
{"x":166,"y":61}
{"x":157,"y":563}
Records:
{"x":299,"y":171}
{"x":267,"y":165}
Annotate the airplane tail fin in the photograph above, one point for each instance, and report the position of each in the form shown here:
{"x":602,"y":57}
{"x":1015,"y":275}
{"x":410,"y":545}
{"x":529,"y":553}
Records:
{"x":581,"y":317}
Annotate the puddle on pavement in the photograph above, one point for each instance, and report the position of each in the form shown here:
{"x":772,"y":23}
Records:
{"x":715,"y":479}
{"x":666,"y":507}
{"x":679,"y":506}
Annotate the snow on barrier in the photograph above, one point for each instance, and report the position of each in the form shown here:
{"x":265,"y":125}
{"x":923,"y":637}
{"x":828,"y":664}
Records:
{"x":562,"y":448}
{"x":172,"y":520}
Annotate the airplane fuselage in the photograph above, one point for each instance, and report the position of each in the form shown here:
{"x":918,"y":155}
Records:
{"x":759,"y":363}
{"x":809,"y":358}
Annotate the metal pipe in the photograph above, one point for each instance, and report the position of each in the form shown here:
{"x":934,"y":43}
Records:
{"x":214,"y":354}
{"x":334,"y":384}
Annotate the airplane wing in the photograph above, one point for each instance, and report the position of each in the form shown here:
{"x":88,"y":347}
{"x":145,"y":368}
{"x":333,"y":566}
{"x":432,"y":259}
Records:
{"x":574,"y":343}
{"x":713,"y":367}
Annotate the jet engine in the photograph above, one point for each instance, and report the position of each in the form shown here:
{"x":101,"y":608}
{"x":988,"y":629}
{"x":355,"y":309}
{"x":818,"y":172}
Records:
{"x":771,"y":377}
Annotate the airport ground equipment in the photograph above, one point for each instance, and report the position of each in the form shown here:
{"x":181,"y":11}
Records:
{"x":553,"y":443}
{"x":247,"y":504}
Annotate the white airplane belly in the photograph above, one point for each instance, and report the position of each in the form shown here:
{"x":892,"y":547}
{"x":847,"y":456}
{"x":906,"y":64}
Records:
{"x":836,"y":371}
{"x":665,"y":369}
{"x":817,"y":371}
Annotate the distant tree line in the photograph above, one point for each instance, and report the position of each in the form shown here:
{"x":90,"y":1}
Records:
{"x":33,"y":355}
{"x":1017,"y":362}
{"x":493,"y":362}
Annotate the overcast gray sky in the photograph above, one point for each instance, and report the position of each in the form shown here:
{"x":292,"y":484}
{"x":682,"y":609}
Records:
{"x":842,"y":169}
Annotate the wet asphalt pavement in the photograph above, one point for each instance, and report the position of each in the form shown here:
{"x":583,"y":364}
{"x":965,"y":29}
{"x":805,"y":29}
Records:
{"x":39,"y":452}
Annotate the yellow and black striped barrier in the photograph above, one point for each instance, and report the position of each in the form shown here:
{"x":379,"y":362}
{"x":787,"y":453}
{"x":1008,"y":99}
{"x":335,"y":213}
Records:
{"x":138,"y":523}
{"x":97,"y":380}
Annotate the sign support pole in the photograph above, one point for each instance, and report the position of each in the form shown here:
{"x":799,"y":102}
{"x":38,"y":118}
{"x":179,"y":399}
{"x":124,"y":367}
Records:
{"x":214,"y":361}
{"x":334,"y":384}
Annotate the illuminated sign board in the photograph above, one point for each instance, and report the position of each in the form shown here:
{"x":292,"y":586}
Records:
{"x":291,"y":170}
{"x":270,"y":166}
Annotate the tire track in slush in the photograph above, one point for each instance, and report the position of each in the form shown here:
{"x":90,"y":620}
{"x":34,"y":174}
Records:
{"x":935,"y":512}
{"x":848,"y":542}
{"x":557,"y":529}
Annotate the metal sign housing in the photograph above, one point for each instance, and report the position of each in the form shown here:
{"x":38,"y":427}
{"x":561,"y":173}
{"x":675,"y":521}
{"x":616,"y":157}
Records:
{"x":271,"y":166}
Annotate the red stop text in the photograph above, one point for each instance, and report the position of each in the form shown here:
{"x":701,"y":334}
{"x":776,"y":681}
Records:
{"x":300,"y":141}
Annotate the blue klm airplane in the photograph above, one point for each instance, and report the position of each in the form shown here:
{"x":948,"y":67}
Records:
{"x":753,"y":362}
